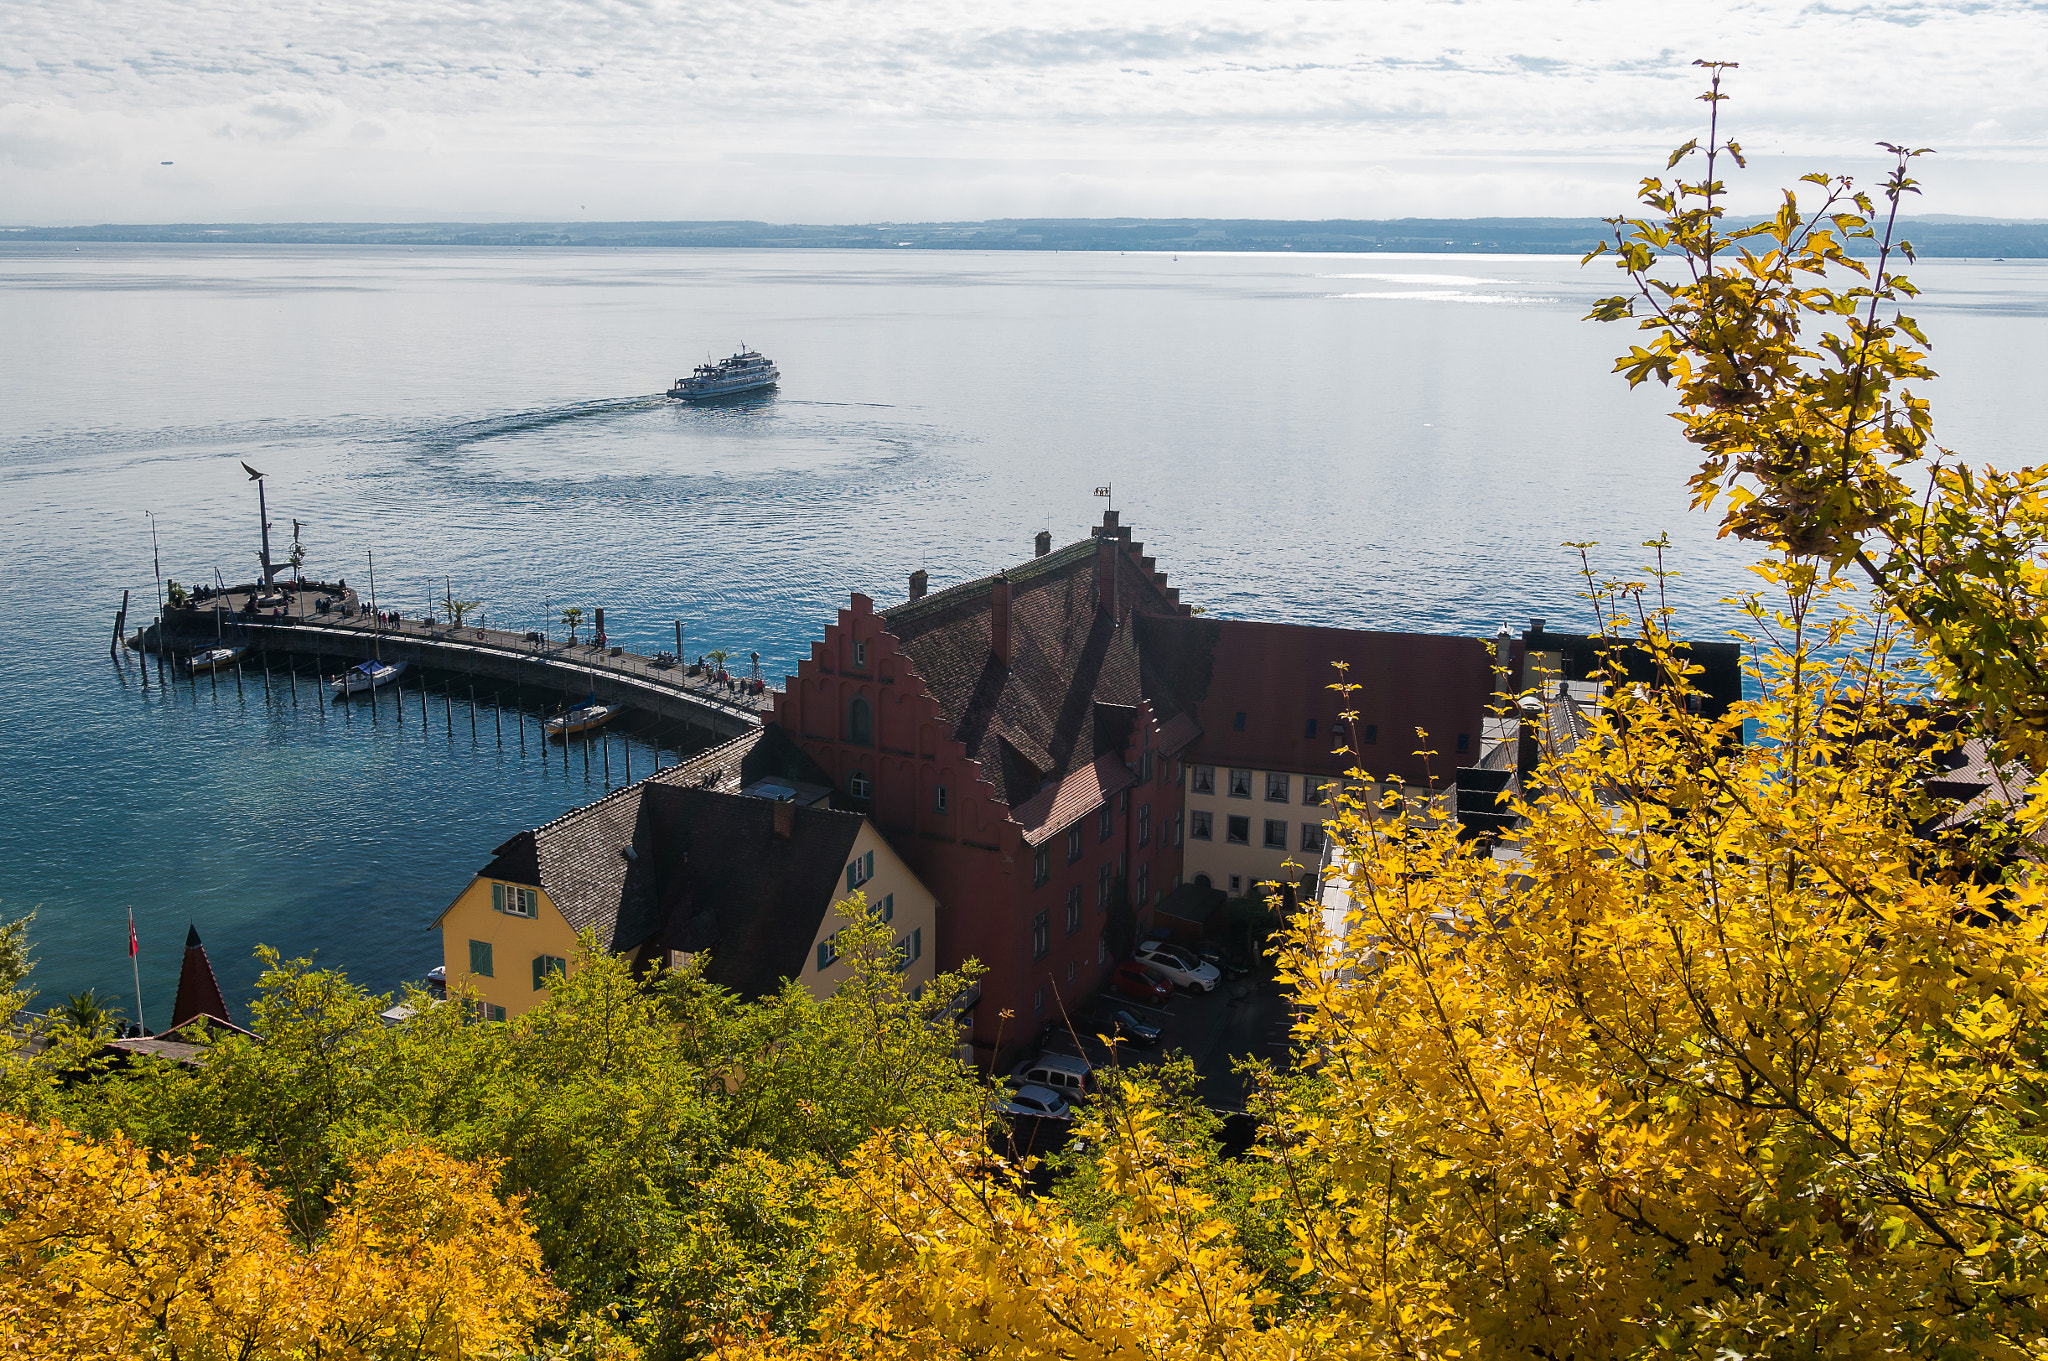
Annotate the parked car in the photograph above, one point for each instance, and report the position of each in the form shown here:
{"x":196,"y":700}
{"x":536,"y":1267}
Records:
{"x":1139,"y":980}
{"x":1117,"y":1022}
{"x":1181,"y":965}
{"x":1229,"y":960}
{"x":1041,"y":1103}
{"x":1070,"y":1076}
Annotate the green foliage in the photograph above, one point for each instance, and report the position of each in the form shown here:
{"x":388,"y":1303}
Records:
{"x":176,"y":594}
{"x":15,"y":961}
{"x":88,"y":1014}
{"x":668,"y":1138}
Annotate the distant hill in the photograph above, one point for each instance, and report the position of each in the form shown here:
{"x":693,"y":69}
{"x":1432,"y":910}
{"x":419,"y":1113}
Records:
{"x":1931,"y":236}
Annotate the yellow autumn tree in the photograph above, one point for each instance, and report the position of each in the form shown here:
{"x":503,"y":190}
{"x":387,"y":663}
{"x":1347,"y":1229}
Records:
{"x":107,"y":1253}
{"x":1732,"y":1048}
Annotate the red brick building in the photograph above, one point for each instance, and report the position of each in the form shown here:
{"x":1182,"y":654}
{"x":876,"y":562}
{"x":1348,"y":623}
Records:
{"x":1021,"y":740}
{"x":1007,"y":737}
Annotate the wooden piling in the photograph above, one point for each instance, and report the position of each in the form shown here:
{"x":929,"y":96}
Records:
{"x":605,"y":740}
{"x":120,"y":627}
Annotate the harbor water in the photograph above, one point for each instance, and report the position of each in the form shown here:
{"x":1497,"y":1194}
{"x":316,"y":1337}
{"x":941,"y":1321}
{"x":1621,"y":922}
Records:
{"x":1376,"y":442}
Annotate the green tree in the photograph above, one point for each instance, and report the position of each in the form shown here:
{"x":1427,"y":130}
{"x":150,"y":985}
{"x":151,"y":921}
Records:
{"x":572,"y":617}
{"x":15,"y":961}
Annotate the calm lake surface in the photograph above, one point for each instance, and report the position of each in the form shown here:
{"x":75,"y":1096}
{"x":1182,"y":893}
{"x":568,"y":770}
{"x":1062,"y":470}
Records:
{"x":1378,"y":442}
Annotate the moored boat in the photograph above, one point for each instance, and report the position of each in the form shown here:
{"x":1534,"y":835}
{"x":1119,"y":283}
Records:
{"x":746,"y":371}
{"x":366,"y":676}
{"x":584,"y":717}
{"x":215,"y":658}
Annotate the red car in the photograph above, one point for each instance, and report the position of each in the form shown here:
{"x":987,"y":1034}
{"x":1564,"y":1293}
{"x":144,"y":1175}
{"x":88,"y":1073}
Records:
{"x":1141,"y":981}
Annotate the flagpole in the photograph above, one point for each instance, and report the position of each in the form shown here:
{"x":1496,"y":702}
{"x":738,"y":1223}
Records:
{"x":134,"y":951}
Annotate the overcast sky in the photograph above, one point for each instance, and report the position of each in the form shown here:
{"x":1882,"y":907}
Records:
{"x":811,"y":111}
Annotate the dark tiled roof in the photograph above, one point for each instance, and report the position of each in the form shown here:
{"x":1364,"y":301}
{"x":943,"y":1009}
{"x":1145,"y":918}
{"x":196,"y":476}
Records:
{"x":1278,"y":677}
{"x":732,"y":887}
{"x":199,"y":995}
{"x":1035,"y":722}
{"x":580,"y":858}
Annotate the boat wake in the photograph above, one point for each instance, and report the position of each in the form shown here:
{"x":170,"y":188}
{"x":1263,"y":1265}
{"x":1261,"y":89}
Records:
{"x":449,"y":438}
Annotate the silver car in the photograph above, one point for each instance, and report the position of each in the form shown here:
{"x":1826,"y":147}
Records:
{"x":1180,"y":965}
{"x":1041,"y":1103}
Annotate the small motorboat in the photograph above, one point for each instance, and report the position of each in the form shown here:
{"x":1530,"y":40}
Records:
{"x":585,"y":716}
{"x":366,"y":676}
{"x":214,"y":658}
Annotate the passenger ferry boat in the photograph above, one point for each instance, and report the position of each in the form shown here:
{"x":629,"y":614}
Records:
{"x":744,"y":372}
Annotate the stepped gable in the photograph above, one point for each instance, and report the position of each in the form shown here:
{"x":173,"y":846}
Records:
{"x":735,"y":887}
{"x":1034,"y":722}
{"x":580,"y":859}
{"x":199,"y":996}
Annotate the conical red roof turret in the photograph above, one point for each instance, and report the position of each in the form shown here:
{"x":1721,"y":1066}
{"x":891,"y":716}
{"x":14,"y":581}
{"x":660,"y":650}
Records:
{"x":198,"y":990}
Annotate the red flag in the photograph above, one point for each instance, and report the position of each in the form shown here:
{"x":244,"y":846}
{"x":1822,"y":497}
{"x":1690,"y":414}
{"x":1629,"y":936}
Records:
{"x":134,"y":946}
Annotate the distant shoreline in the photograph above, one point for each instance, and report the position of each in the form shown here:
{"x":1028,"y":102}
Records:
{"x":1931,"y":237}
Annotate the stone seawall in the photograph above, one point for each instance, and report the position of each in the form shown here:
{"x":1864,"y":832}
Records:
{"x":485,"y":655}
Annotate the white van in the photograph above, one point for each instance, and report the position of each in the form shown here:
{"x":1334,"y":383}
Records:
{"x":1072,"y":1078}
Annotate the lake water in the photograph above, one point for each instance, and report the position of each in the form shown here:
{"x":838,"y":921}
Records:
{"x":1383,"y":442}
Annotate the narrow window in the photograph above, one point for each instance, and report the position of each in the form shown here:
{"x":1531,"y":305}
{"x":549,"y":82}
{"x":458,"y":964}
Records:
{"x":860,"y":654}
{"x":1276,"y":788}
{"x":1312,"y":837}
{"x":1103,"y":879}
{"x":1240,"y":784}
{"x":1238,"y":725}
{"x":938,"y":798}
{"x":1464,"y":743}
{"x":1204,"y":781}
{"x":1310,"y":730}
{"x":1176,"y":827}
{"x":1144,"y":824}
{"x":1102,"y":949}
{"x":1038,"y":1002}
{"x":1145,"y":884}
{"x":1372,"y":734}
{"x":828,"y":951}
{"x":1041,"y":935}
{"x":860,"y":871}
{"x":1201,"y":824}
{"x":1105,"y":823}
{"x":1145,"y":768}
{"x":480,"y":958}
{"x":1073,"y":909}
{"x":1041,"y":866}
{"x":1239,"y":832}
{"x":1315,"y":793}
{"x":1236,"y":883}
{"x":1276,"y":835}
{"x":1073,"y":844}
{"x":860,"y":786}
{"x":860,"y":722}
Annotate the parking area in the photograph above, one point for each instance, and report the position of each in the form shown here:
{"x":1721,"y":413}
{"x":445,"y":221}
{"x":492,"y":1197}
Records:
{"x":1241,"y":1018}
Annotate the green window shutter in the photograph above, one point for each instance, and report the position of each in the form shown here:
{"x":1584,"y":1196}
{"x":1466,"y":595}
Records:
{"x":480,"y":958}
{"x":540,"y":972}
{"x":917,"y":942}
{"x":497,"y":897}
{"x":824,"y":955}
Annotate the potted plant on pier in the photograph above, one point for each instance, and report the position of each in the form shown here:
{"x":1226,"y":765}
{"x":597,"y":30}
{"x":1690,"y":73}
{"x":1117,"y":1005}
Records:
{"x":573,"y":617}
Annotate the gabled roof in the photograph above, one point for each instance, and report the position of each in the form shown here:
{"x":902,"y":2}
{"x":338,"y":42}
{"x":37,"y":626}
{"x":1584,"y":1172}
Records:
{"x":1057,"y":807}
{"x":1033,"y":723}
{"x":733,"y":887}
{"x":580,"y":858}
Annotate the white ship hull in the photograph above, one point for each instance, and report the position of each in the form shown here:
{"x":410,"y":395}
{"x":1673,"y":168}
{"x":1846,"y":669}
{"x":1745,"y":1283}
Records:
{"x":744,"y":372}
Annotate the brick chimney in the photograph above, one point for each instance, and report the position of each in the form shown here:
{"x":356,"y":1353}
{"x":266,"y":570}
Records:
{"x":918,"y":582}
{"x":1042,"y":544}
{"x":1529,"y":743}
{"x":785,"y":818}
{"x":999,"y":619}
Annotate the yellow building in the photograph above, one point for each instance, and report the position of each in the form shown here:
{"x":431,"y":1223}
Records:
{"x":733,"y":854}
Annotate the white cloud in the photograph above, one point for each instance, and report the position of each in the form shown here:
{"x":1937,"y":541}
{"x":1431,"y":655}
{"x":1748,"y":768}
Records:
{"x":968,"y":108}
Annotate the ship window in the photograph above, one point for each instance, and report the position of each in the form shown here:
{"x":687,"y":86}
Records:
{"x":860,"y":722}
